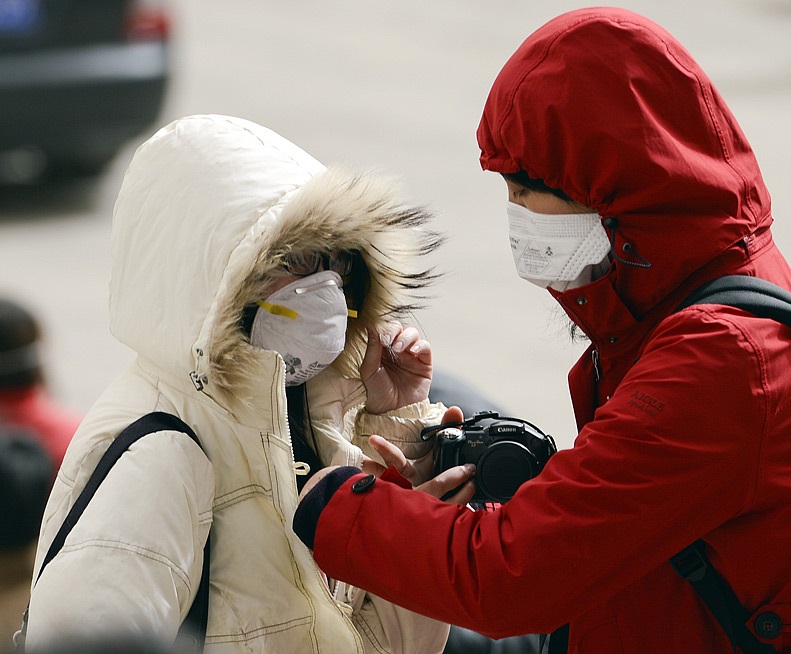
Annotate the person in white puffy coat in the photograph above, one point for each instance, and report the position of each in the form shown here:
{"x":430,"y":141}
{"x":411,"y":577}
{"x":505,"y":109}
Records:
{"x":219,"y":223}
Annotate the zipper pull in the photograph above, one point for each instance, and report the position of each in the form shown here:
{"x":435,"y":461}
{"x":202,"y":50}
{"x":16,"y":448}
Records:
{"x":596,"y":366}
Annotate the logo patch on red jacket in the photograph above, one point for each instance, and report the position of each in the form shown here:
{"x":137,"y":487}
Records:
{"x":647,"y":403}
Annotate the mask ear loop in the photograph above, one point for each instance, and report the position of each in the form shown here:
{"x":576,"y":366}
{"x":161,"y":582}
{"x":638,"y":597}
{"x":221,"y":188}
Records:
{"x":612,"y":225}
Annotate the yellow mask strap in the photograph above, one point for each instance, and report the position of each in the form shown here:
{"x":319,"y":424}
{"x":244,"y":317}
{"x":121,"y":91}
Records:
{"x":280,"y":310}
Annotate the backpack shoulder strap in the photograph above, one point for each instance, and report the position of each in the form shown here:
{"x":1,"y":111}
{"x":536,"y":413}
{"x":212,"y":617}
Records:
{"x":765,"y":300}
{"x":148,"y":424}
{"x":758,"y":296}
{"x":693,"y":564}
{"x":194,"y":626}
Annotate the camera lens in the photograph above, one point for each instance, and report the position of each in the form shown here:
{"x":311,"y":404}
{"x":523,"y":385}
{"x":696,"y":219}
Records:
{"x":502,"y":469}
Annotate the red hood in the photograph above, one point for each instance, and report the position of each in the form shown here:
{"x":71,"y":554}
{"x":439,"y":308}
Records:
{"x":607,"y":106}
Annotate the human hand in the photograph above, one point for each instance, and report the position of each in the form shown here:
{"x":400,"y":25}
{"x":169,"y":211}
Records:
{"x":419,"y":471}
{"x":452,"y":415}
{"x":416,"y":471}
{"x":454,"y":485}
{"x":396,"y":369}
{"x":452,"y":478}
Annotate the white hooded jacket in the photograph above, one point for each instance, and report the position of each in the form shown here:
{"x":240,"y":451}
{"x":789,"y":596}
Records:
{"x":207,"y":206}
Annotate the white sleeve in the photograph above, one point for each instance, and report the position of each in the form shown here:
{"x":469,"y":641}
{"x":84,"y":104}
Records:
{"x":133,"y":561}
{"x":401,"y":427}
{"x":337,"y":412}
{"x":384,"y":626}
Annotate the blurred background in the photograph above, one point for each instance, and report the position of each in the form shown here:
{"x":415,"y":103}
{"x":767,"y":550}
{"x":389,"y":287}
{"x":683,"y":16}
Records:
{"x":397,"y":85}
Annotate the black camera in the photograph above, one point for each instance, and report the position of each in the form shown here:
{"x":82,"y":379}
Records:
{"x":506,"y":452}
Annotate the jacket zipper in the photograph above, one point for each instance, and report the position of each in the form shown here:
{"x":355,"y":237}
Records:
{"x":325,"y":581}
{"x":596,"y":365}
{"x":596,"y":379}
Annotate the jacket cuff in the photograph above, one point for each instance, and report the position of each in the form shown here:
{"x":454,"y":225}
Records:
{"x":401,"y":427}
{"x":309,"y":509}
{"x":392,"y":475}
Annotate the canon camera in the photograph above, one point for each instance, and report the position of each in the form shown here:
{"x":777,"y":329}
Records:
{"x":507,"y":452}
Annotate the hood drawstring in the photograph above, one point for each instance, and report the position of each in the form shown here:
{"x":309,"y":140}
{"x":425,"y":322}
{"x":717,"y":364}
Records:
{"x":612,"y":225}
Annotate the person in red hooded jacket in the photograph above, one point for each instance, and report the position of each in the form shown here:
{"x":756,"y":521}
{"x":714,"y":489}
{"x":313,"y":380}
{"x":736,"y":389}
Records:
{"x":630,"y":185}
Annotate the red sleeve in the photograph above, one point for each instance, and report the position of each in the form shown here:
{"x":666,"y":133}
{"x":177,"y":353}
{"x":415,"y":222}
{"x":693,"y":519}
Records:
{"x":663,"y":462}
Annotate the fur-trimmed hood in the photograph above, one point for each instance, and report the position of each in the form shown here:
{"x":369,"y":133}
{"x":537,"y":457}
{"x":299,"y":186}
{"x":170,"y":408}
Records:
{"x":207,"y":207}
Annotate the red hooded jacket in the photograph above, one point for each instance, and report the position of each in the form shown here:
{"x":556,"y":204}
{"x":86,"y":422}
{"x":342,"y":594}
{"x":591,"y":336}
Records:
{"x":684,"y":417}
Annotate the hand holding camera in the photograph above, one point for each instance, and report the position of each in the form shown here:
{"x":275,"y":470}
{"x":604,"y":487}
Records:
{"x":506,"y":452}
{"x":454,"y":485}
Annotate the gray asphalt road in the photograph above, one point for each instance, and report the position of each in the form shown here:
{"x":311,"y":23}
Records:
{"x":399,"y":85}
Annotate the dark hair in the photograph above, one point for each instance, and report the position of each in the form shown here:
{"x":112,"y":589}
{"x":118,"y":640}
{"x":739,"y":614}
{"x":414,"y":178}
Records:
{"x":358,"y":283}
{"x":19,"y":336}
{"x":300,"y":426}
{"x":535,"y":184}
{"x":355,"y":287}
{"x":26,"y":471}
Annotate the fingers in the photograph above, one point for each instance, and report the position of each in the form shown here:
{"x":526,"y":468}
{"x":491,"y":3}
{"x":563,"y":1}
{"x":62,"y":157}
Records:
{"x":404,"y":339}
{"x":424,"y":467}
{"x":390,"y":454}
{"x":409,"y":341}
{"x":453,"y":414}
{"x":371,"y":467}
{"x":399,"y":339}
{"x":373,"y":355}
{"x":422,"y":350}
{"x":455,"y":476}
{"x":463,"y":495}
{"x":456,"y":483}
{"x":388,"y":331}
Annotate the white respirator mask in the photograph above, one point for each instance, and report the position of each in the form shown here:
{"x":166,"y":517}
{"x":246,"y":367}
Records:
{"x":305,"y":322}
{"x":559,"y":251}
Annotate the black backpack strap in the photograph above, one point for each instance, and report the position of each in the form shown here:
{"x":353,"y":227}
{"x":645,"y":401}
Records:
{"x":194,"y":626}
{"x":693,"y":564}
{"x":193,"y":629}
{"x":765,"y":300}
{"x":758,"y":296}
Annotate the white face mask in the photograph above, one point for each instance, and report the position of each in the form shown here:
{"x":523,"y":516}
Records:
{"x":561,"y":251}
{"x":305,"y":322}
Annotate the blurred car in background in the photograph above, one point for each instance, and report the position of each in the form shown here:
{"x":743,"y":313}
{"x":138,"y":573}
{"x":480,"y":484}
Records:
{"x":78,"y":79}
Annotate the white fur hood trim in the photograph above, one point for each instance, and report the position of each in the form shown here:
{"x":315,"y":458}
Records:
{"x":208,"y":206}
